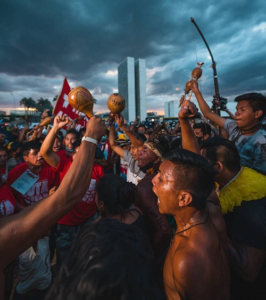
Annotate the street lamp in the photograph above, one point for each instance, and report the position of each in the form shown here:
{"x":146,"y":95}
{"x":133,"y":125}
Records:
{"x":14,"y":101}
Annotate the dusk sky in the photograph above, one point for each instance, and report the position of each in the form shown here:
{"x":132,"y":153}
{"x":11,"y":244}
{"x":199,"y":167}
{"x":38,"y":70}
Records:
{"x":43,"y":41}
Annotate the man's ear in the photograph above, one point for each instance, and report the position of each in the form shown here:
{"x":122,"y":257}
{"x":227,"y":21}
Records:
{"x":25,"y":158}
{"x":184,"y":198}
{"x":218,"y":166}
{"x":258,"y":114}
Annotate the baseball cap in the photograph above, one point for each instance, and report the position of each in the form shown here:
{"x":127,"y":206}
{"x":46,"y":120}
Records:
{"x":122,"y":137}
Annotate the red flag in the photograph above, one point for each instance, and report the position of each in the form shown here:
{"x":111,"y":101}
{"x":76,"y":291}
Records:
{"x":62,"y":107}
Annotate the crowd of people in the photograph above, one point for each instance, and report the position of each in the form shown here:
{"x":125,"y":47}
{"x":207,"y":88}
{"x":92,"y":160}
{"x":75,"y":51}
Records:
{"x":136,"y":212}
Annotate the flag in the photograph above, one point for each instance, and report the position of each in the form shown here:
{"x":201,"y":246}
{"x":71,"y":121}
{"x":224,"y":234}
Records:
{"x":62,"y":107}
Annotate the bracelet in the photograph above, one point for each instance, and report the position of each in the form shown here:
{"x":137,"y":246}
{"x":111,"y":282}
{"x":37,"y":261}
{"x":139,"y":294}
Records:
{"x":91,"y":140}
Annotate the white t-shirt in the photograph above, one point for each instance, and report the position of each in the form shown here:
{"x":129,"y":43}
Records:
{"x":134,"y":174}
{"x":34,"y":268}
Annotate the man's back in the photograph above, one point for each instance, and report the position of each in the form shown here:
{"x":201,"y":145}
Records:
{"x":196,"y":266}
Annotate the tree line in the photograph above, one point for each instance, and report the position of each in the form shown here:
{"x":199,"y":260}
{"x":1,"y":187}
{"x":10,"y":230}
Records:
{"x":39,"y":105}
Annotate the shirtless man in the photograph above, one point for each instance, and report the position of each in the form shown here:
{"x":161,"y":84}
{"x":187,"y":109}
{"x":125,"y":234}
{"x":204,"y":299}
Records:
{"x":196,"y":266}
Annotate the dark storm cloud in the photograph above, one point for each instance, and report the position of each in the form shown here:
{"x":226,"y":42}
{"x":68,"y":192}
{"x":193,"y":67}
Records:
{"x":43,"y":41}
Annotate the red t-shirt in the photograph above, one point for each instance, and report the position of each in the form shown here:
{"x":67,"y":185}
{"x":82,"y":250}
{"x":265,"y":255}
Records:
{"x":3,"y":173}
{"x":39,"y":190}
{"x":62,"y":153}
{"x":2,"y":170}
{"x":7,"y":202}
{"x":87,"y":207}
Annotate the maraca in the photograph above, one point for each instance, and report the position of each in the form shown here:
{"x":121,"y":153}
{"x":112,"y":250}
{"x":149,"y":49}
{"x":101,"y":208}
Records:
{"x":81,"y":99}
{"x":116,"y":103}
{"x":195,"y":75}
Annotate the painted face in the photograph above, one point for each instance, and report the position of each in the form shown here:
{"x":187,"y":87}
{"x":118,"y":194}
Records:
{"x":145,"y":156}
{"x":69,"y":140}
{"x":34,"y":158}
{"x":164,"y":188}
{"x":244,"y":116}
{"x":57,"y":145}
{"x":3,"y":157}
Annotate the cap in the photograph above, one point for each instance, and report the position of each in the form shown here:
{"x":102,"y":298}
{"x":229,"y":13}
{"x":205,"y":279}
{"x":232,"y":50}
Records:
{"x":122,"y":137}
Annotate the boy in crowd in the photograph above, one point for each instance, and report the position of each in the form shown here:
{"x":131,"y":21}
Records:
{"x":245,"y":130}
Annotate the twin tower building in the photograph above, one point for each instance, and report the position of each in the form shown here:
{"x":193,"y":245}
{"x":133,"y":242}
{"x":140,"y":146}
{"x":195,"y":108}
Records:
{"x":132,"y":85}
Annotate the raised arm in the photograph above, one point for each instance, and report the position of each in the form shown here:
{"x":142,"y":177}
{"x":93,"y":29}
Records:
{"x":205,"y":109}
{"x":176,"y":128}
{"x":118,"y":150}
{"x":23,"y":131}
{"x":35,"y":133}
{"x":47,"y":146}
{"x":135,"y":140}
{"x":18,"y":232}
{"x":189,"y":141}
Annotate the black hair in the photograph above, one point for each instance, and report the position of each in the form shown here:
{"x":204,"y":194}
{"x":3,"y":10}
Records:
{"x":76,"y":144}
{"x":194,"y":174}
{"x":42,"y":137}
{"x":15,"y":146}
{"x":205,"y":128}
{"x":161,"y":143}
{"x":256,"y":100}
{"x":142,"y":137}
{"x":108,"y":260}
{"x":59,"y":137}
{"x":117,"y":194}
{"x":176,"y":143}
{"x":141,"y":125}
{"x":35,"y":145}
{"x":73,"y":131}
{"x":60,"y":133}
{"x":225,"y":151}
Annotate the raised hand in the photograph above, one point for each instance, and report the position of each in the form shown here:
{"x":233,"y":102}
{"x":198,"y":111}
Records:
{"x":119,"y":120}
{"x":95,"y":128}
{"x":194,"y":86}
{"x":36,"y":129}
{"x":60,"y":121}
{"x":188,"y":110}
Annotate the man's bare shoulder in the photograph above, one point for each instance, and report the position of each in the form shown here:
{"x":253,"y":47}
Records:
{"x":185,"y":264}
{"x":184,"y":260}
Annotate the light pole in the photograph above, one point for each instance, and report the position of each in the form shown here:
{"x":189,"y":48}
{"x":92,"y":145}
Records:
{"x":14,"y":101}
